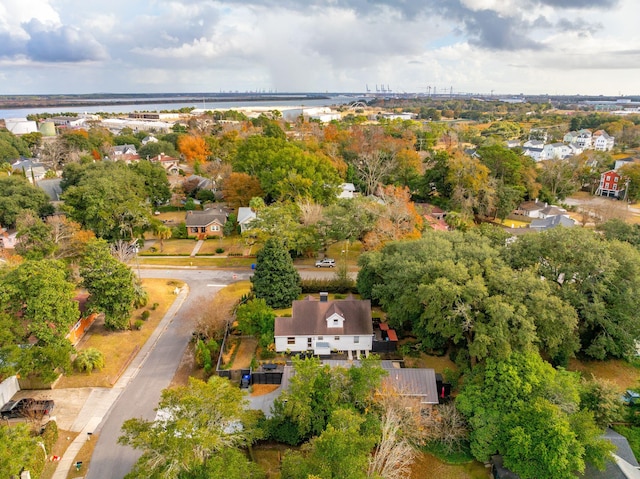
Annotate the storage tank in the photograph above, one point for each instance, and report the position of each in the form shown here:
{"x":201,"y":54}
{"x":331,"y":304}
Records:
{"x":20,"y":126}
{"x":47,"y":128}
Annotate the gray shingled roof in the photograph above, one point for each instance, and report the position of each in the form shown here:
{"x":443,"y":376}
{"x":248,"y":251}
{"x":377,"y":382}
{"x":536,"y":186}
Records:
{"x":309,"y":318}
{"x":206,"y":217}
{"x":51,"y":187}
{"x":552,"y":222}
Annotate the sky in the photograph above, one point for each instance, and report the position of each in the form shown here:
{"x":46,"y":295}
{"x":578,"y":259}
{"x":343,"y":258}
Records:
{"x":587,"y":47}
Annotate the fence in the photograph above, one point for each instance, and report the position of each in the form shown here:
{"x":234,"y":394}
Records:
{"x":8,"y":388}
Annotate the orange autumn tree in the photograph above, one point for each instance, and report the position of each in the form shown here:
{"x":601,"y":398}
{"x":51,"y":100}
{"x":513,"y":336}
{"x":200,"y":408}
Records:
{"x":399,"y":219}
{"x":194,"y":148}
{"x":239,"y":188}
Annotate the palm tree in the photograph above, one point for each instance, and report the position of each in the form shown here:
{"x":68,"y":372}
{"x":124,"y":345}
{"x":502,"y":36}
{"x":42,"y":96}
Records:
{"x":162,"y":232}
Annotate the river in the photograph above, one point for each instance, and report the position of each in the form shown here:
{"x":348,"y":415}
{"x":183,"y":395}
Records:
{"x":276,"y":103}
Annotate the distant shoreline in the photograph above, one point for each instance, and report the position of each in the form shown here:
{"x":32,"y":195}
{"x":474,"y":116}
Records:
{"x":58,"y":101}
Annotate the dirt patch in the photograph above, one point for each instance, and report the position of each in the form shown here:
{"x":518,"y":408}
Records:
{"x":262,"y":389}
{"x":241,"y":353}
{"x":187,"y":368}
{"x":619,"y":372}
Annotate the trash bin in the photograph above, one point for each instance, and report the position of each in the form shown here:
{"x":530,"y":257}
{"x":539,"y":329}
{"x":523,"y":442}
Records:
{"x":253,"y":266}
{"x":244,"y":382}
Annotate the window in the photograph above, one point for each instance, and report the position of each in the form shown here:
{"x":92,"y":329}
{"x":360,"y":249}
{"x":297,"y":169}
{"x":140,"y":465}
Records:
{"x":194,"y":230}
{"x":337,"y":338}
{"x":335,"y":322}
{"x":309,"y":342}
{"x":291,"y":340}
{"x":203,"y":229}
{"x":356,"y":339}
{"x":320,"y":338}
{"x":215,"y":228}
{"x":615,"y":179}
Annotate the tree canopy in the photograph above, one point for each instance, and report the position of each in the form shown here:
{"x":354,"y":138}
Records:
{"x":18,"y":195}
{"x":275,"y":279}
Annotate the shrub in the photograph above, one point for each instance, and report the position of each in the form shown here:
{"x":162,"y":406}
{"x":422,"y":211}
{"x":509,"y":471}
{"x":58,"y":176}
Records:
{"x":267,"y":354}
{"x":180,"y":231}
{"x":145,"y":315}
{"x":89,"y":359}
{"x":49,"y":435}
{"x":219,"y":250}
{"x":155,"y":306}
{"x":137,"y":325}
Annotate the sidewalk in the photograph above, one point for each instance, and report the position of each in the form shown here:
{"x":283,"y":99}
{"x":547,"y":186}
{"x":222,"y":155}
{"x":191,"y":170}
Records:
{"x":197,"y":247}
{"x":100,"y":400}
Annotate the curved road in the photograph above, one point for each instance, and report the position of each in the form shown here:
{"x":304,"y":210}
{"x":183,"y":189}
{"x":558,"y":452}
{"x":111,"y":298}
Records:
{"x":141,"y":394}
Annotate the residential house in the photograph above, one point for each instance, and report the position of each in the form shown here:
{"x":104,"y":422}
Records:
{"x":610,"y":184}
{"x":245,"y":216}
{"x":602,"y":141}
{"x":570,"y":138}
{"x":33,"y":170}
{"x":535,"y":153}
{"x":324,"y":326}
{"x":347,"y":190}
{"x":8,"y":240}
{"x":530,"y":209}
{"x":119,"y":150}
{"x":584,"y":139}
{"x":555,"y":151}
{"x":551,"y":210}
{"x":169,"y":163}
{"x":206,"y":224}
{"x":548,"y":222}
{"x":513,"y":143}
{"x":433,"y":216}
{"x":624,"y":162}
{"x":52,"y":188}
{"x":149,"y":139}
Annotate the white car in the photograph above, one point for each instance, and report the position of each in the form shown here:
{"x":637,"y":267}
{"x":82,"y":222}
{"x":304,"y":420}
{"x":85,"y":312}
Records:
{"x":326,"y":263}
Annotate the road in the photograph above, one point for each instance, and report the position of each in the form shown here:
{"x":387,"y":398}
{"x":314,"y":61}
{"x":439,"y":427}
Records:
{"x":140,"y":395}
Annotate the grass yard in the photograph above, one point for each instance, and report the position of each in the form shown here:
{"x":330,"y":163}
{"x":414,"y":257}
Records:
{"x":200,"y":261}
{"x":119,"y":347}
{"x":172,"y":218}
{"x":427,"y":465}
{"x":621,"y":373}
{"x":171,"y":247}
{"x":438,"y":363}
{"x":512,"y":223}
{"x":84,"y":456}
{"x":231,"y":245}
{"x":240,"y":354}
{"x":64,"y":439}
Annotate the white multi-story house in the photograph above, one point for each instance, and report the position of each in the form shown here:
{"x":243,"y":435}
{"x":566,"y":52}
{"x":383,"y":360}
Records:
{"x":602,"y":141}
{"x":584,"y":139}
{"x":324,"y":326}
{"x":555,"y":151}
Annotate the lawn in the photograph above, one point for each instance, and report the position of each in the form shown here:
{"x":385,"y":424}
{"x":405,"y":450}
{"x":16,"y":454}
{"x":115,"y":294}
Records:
{"x":84,"y":456}
{"x":171,"y":247}
{"x":436,"y":468}
{"x":337,"y":251}
{"x":230,"y":245}
{"x":199,"y":261}
{"x":120,"y":347}
{"x":64,"y":439}
{"x":621,"y":373}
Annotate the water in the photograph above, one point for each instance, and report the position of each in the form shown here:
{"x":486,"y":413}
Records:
{"x":195,"y":103}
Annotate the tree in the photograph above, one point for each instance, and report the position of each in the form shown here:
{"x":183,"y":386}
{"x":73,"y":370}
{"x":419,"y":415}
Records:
{"x":525,"y":410}
{"x":20,"y":450}
{"x":162,"y":232}
{"x":57,"y":237}
{"x":256,"y":318}
{"x":152,"y":149}
{"x":89,"y":359}
{"x":193,"y":148}
{"x":108,"y":198}
{"x":372,"y":168}
{"x":39,"y":293}
{"x":631,"y":174}
{"x":341,"y":451}
{"x":275,"y":278}
{"x":17,"y":195}
{"x":111,"y":284}
{"x":558,"y":177}
{"x":197,"y":422}
{"x":239,"y":188}
{"x":155,"y":181}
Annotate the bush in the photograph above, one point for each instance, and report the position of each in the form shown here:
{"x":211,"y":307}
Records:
{"x":333,"y":285}
{"x":219,"y":250}
{"x":145,"y":315}
{"x":89,"y":359}
{"x":155,"y":306}
{"x":180,"y":231}
{"x":137,"y":325}
{"x":267,"y":354}
{"x":49,"y":435}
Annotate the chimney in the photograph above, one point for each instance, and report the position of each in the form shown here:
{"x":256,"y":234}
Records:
{"x":536,"y":201}
{"x":324,"y":297}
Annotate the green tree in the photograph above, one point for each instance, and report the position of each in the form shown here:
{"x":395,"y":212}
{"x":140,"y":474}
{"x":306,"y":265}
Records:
{"x":18,"y":195}
{"x":155,"y":181}
{"x":341,"y":451}
{"x":287,"y":171}
{"x":153,"y":149}
{"x":89,"y":359}
{"x":198,"y":422}
{"x":275,"y":279}
{"x":108,"y":198}
{"x":20,"y":450}
{"x":256,"y":318}
{"x":111,"y":284}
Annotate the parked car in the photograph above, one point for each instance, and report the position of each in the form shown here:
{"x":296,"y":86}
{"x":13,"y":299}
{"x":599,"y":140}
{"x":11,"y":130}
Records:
{"x":326,"y":263}
{"x":27,"y":407}
{"x":631,"y":398}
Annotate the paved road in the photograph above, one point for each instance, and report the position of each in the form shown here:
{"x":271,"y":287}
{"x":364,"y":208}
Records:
{"x":142,"y":386}
{"x":142,"y":393}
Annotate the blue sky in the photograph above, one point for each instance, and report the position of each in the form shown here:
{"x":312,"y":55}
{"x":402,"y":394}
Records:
{"x":475,"y":46}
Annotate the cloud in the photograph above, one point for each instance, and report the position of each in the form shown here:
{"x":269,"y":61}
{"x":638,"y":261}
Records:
{"x":61,"y":44}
